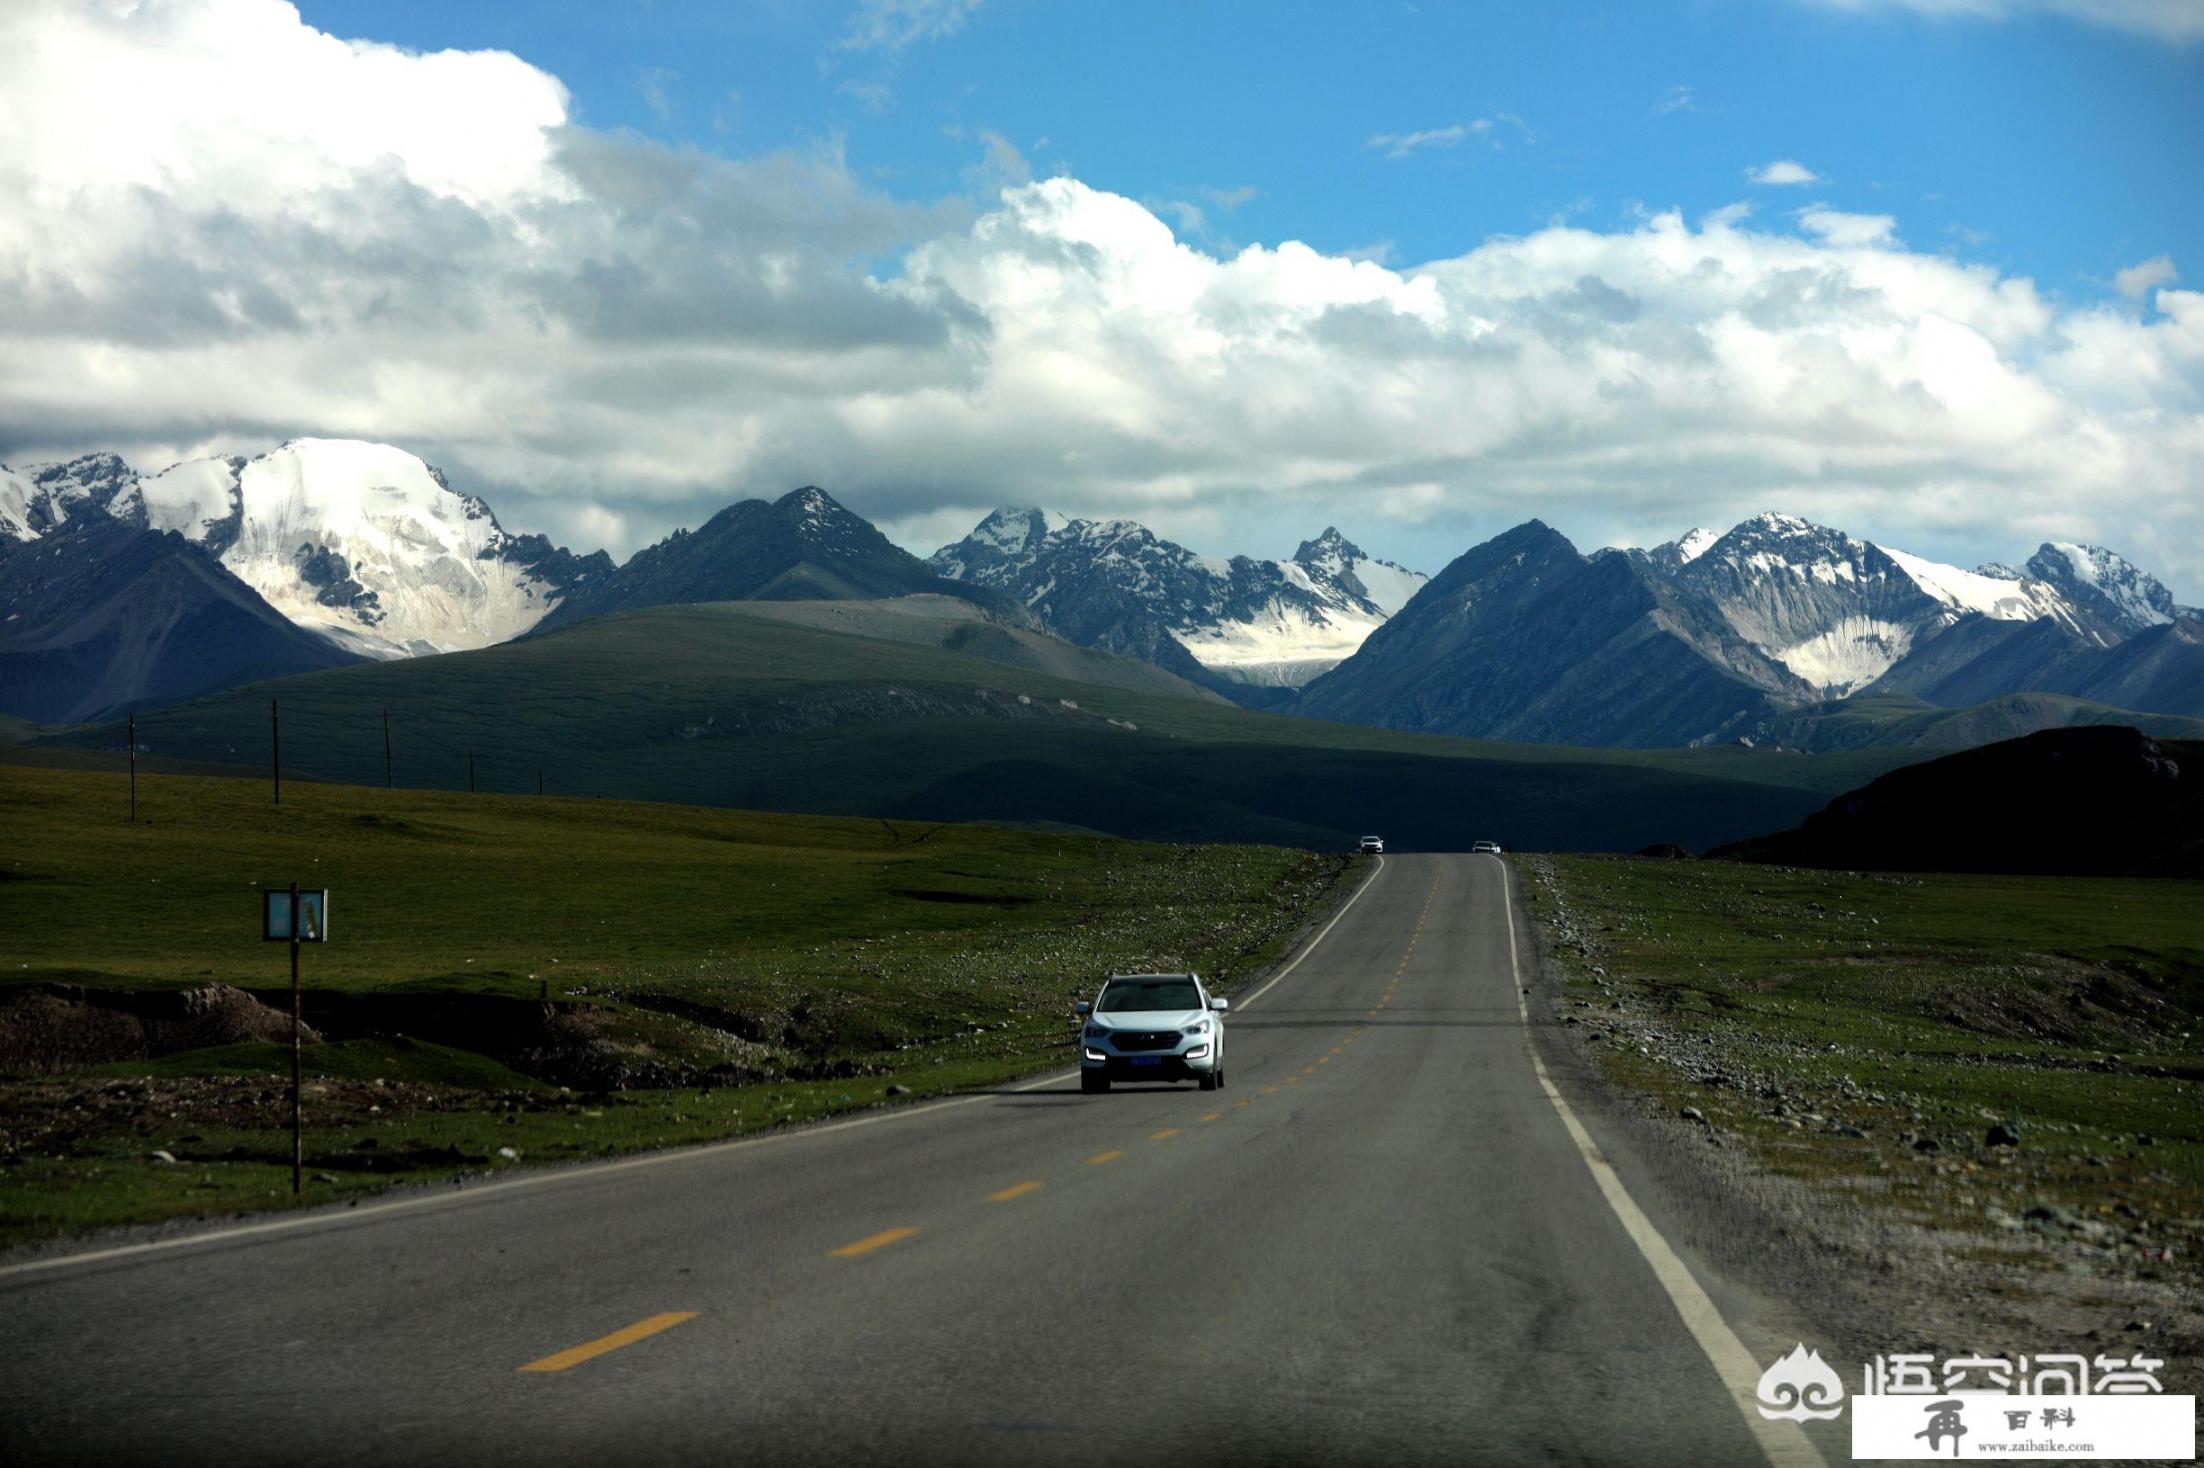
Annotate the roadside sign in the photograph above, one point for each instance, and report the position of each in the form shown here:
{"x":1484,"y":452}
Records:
{"x":313,"y":915}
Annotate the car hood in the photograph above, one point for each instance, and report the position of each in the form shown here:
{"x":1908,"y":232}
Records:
{"x":1147,"y":1019}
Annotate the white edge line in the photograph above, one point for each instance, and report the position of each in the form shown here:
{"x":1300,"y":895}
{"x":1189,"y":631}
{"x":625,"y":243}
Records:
{"x":1784,"y":1443}
{"x":589,"y":1170}
{"x":1310,"y":946}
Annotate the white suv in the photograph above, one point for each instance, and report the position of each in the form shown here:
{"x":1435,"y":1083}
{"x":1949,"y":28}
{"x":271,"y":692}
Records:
{"x":1373,"y":846}
{"x":1151,"y":1027}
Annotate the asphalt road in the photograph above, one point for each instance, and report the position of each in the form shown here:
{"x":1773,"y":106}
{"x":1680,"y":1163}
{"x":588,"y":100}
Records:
{"x":1381,"y":1243}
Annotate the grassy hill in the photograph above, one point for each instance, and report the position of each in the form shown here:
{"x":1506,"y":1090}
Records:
{"x":729,"y":705}
{"x":2110,"y":801}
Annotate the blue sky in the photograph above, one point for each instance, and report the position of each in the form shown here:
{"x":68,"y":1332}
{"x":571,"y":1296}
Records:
{"x":1931,"y":271}
{"x":2051,"y":147}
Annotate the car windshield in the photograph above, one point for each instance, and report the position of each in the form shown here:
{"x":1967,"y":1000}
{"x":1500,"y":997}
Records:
{"x":1122,"y":995}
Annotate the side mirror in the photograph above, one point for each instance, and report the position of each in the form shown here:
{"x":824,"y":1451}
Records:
{"x":1082,"y":1007}
{"x":1220,"y":1004}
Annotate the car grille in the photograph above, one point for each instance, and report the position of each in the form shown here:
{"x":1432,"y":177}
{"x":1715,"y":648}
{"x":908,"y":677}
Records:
{"x":1145,"y":1039}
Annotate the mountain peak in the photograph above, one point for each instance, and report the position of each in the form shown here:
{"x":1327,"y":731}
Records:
{"x":1694,"y":543}
{"x":809,"y":498}
{"x":1778,"y":525}
{"x":2105,"y":583}
{"x":1329,"y":547}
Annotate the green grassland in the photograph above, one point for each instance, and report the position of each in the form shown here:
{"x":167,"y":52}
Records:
{"x":1866,"y":1032}
{"x":561,"y":977}
{"x":725,"y":705}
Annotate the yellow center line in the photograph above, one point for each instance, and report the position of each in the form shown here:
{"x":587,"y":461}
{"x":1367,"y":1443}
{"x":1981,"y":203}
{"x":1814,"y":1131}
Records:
{"x":1323,"y":1060}
{"x":1293,"y":1080}
{"x":1015,"y":1190}
{"x":1169,"y":1131}
{"x":871,"y":1242}
{"x":1245,"y":1101}
{"x":1308,"y":1070}
{"x":1101,"y":1157}
{"x":575,"y":1356}
{"x":1341,"y":1047}
{"x":1214,"y":1116}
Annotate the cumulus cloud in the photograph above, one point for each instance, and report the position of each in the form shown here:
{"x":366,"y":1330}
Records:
{"x":1783,"y":172}
{"x":2169,"y":20}
{"x":609,"y":337}
{"x":2145,"y":276}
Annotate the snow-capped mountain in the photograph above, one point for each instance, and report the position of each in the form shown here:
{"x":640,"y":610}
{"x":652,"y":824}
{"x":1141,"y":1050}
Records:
{"x":1116,"y":585}
{"x":1837,"y":612}
{"x":362,"y":543}
{"x":1737,"y":634}
{"x":2109,"y":593}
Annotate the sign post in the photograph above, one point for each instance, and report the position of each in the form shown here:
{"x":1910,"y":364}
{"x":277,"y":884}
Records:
{"x":295,"y":916}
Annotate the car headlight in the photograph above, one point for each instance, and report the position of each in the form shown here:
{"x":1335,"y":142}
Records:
{"x":1095,"y":1032}
{"x":1198,"y":1052}
{"x":1200,"y":1027}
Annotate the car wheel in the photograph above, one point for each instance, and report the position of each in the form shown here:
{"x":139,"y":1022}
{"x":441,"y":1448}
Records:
{"x":1093,"y":1082}
{"x":1211,"y":1080}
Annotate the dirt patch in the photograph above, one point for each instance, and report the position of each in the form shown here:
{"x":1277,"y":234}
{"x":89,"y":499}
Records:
{"x":2074,"y":1005}
{"x":49,"y":1027}
{"x":60,"y":1118}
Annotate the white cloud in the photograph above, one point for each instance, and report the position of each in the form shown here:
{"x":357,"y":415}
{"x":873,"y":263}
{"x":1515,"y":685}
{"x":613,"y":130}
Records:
{"x":896,"y":25}
{"x":2169,"y":20}
{"x":656,"y":83}
{"x":1676,"y":99}
{"x":874,"y":96}
{"x":1400,"y":145}
{"x":1783,"y":172}
{"x":2145,"y":276}
{"x":1847,"y":230}
{"x":609,"y":337}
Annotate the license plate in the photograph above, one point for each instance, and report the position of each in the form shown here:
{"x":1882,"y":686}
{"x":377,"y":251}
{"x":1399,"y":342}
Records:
{"x":1147,"y":1060}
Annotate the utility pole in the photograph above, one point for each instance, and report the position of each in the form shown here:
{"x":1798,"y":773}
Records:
{"x":470,"y":772}
{"x":298,"y":1125}
{"x":389,"y":780}
{"x":539,"y":784}
{"x":133,"y":737}
{"x":275,"y":746}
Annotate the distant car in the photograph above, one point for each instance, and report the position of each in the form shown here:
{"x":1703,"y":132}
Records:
{"x":1481,"y":847}
{"x":1151,"y":1027}
{"x":1373,"y":846}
